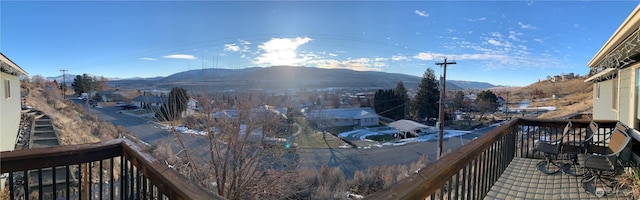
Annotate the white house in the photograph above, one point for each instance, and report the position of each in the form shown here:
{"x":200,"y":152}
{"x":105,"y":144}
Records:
{"x":263,"y":111}
{"x":615,"y":73}
{"x":147,"y":101}
{"x":10,"y":102}
{"x":10,"y":105}
{"x":345,"y":117}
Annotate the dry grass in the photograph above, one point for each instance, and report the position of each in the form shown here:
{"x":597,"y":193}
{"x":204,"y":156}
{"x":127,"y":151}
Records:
{"x":73,"y":124}
{"x":332,"y":183}
{"x":4,"y":193}
{"x":631,"y":179}
{"x":318,"y":140}
{"x":310,"y":138}
{"x":571,"y":96}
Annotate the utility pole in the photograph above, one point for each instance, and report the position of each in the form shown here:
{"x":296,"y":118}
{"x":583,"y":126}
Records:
{"x":442,"y":100}
{"x":64,"y":82}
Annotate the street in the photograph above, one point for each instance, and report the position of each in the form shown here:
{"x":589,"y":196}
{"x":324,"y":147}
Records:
{"x":348,"y":159}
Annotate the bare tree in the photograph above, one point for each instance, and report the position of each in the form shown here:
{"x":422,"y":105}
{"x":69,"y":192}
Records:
{"x":236,"y":161}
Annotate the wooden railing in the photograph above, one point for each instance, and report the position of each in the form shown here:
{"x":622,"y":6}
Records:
{"x":470,"y":171}
{"x":116,"y":169}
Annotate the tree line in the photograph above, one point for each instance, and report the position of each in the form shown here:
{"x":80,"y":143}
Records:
{"x":396,"y":104}
{"x":86,"y":84}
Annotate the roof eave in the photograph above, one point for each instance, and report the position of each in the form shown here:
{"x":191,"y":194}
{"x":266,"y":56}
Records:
{"x":629,"y":26}
{"x":14,"y":67}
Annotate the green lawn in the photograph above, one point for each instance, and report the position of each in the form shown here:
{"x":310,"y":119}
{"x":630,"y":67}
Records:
{"x":381,"y":137}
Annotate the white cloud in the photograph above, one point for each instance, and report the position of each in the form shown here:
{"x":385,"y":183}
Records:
{"x":496,"y":60}
{"x":538,"y":40}
{"x":145,"y":58}
{"x":231,"y":47}
{"x":476,"y":19}
{"x":514,"y":35}
{"x":421,"y":13}
{"x":244,"y":42}
{"x":379,"y":59}
{"x":495,"y":42}
{"x":526,"y":26}
{"x":358,"y":64}
{"x":428,"y":56}
{"x":440,"y":56}
{"x":281,"y":51}
{"x":180,"y":56}
{"x":240,"y":46}
{"x":399,"y":57}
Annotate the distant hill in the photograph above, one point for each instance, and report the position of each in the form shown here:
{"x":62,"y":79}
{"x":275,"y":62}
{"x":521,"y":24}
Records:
{"x":289,"y":77}
{"x":69,"y":78}
{"x":569,"y":96}
{"x":471,"y":84}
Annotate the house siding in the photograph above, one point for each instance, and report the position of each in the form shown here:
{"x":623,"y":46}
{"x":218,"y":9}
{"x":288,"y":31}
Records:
{"x":370,"y":121}
{"x":9,"y":111}
{"x":602,"y":106}
{"x":624,"y":96}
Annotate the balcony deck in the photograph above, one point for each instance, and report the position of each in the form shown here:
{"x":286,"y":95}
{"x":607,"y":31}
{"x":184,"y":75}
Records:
{"x":521,"y":180}
{"x":502,"y":164}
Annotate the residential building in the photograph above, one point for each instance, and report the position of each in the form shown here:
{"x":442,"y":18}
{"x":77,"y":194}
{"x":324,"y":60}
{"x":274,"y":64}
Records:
{"x":615,"y":73}
{"x":147,"y":101}
{"x":345,"y":117}
{"x":10,"y":102}
{"x":10,"y":105}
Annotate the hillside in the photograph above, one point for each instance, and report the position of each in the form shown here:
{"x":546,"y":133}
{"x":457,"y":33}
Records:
{"x":571,"y":96}
{"x":288,"y":77}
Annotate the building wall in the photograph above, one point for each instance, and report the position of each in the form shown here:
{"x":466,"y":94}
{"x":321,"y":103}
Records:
{"x":9,"y":111}
{"x":625,"y":114}
{"x":602,"y":103}
{"x":370,"y":121}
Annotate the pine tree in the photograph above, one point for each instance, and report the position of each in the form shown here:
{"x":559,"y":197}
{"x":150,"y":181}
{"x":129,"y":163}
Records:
{"x":487,"y":101}
{"x":176,"y":103}
{"x":425,"y":104}
{"x":83,"y":84}
{"x":401,"y":93}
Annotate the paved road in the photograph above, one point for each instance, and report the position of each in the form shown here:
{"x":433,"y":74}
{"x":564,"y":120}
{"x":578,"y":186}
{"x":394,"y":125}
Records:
{"x":349,"y":160}
{"x":144,"y":130}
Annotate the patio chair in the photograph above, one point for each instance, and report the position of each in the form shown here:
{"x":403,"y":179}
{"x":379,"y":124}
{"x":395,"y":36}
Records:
{"x":600,"y":166}
{"x":551,"y":150}
{"x":580,"y":143}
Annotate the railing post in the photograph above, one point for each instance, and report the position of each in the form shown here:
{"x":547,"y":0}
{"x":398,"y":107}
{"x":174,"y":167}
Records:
{"x":85,"y":181}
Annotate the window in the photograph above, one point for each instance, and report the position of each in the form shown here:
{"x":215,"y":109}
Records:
{"x":7,"y":89}
{"x":614,"y":94}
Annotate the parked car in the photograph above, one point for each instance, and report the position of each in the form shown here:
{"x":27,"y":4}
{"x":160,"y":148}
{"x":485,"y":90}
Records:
{"x":129,"y":107}
{"x":120,"y":103}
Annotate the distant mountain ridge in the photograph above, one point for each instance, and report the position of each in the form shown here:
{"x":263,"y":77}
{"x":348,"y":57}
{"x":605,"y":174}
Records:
{"x":290,"y":77}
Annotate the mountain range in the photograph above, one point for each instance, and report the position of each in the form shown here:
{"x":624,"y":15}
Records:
{"x":280,"y":77}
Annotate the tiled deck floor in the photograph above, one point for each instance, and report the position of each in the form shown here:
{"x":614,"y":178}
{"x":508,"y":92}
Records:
{"x":522,"y":180}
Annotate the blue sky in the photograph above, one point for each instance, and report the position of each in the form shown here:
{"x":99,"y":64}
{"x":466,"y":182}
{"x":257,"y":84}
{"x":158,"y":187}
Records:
{"x":500,"y":42}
